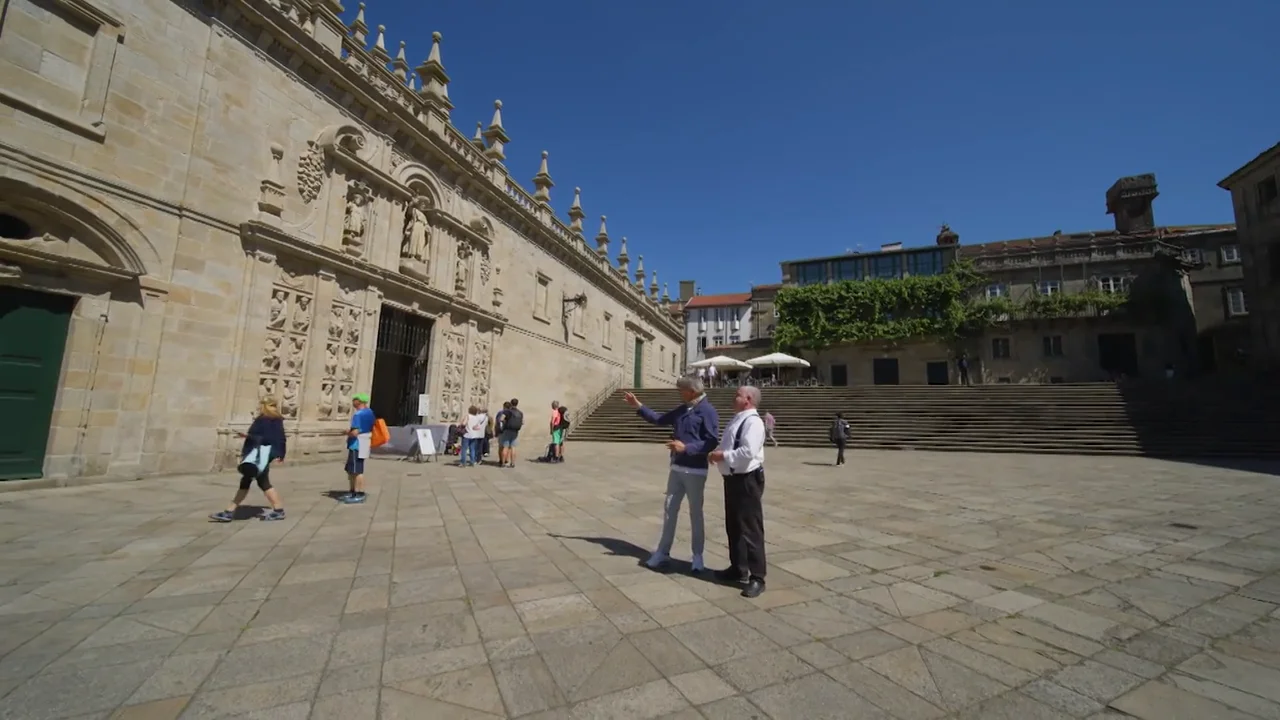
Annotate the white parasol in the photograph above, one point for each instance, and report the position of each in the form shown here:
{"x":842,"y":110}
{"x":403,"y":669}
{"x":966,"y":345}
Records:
{"x":778,"y":360}
{"x":722,"y":362}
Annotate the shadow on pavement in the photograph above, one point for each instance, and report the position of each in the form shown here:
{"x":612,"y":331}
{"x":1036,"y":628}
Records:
{"x":625,"y":548}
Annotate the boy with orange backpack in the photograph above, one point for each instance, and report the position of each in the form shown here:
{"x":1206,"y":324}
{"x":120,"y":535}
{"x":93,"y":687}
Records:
{"x":367,"y":432}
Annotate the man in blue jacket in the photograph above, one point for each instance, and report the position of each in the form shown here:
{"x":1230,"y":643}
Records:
{"x":695,"y":432}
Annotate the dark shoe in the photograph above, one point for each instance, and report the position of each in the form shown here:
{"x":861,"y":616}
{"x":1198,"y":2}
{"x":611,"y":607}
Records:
{"x":224,"y":516}
{"x":731,"y":576}
{"x":754,"y":587}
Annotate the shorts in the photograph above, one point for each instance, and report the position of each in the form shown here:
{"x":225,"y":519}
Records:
{"x":355,"y":463}
{"x":264,"y":480}
{"x":508,"y":438}
{"x":557,"y":437}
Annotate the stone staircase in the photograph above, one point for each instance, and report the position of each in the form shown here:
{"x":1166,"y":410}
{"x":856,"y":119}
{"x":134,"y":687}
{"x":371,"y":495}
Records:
{"x":1155,"y":419}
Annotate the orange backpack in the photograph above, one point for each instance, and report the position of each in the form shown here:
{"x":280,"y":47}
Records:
{"x":380,"y":435}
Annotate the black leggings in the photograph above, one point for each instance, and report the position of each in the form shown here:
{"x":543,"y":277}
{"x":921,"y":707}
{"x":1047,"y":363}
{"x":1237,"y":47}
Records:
{"x":264,"y":480}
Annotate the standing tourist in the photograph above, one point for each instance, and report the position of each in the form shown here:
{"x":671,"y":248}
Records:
{"x":693,"y":426}
{"x":839,"y":436}
{"x":359,"y":445}
{"x":512,"y":421}
{"x":962,"y":368}
{"x":740,"y":460}
{"x":769,"y":424}
{"x":557,"y":433}
{"x":474,"y":425}
{"x":712,"y":372}
{"x":265,"y":435}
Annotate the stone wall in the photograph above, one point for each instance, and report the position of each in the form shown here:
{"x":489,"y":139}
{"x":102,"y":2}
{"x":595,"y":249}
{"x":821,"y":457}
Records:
{"x":232,"y":232}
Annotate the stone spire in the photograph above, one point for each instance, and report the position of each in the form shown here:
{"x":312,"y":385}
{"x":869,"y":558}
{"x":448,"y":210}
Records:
{"x":400,"y":66}
{"x":640,"y":272}
{"x":653,"y":286}
{"x":576,"y":216}
{"x":359,"y":30}
{"x":379,"y":50}
{"x":602,"y":239}
{"x":435,"y":81}
{"x":624,"y":261}
{"x":666,"y":297}
{"x":478,"y":138}
{"x":496,"y":135}
{"x":542,"y":182}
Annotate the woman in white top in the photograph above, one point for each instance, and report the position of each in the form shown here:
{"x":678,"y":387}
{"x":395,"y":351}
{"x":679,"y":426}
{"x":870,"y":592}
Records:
{"x":473,"y":436}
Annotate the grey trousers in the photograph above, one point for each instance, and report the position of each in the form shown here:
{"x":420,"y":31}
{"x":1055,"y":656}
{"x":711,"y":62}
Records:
{"x":680,"y":484}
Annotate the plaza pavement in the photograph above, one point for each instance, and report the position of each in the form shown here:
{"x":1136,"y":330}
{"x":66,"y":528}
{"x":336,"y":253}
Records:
{"x":903,"y":585}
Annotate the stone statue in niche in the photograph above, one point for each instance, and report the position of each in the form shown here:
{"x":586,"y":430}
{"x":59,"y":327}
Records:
{"x":335,"y":323}
{"x":486,"y":267}
{"x":289,"y":399}
{"x":330,"y":360}
{"x":279,"y":309}
{"x":462,"y":270}
{"x":417,"y":240}
{"x":344,"y":399}
{"x":302,"y":315}
{"x":348,"y":363}
{"x":271,"y":353}
{"x":353,"y":326}
{"x":353,"y":224}
{"x":266,"y":388}
{"x":297,"y":355}
{"x":326,"y":400}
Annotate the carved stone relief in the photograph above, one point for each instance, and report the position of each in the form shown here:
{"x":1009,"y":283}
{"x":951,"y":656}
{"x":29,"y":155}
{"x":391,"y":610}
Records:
{"x":311,"y":172}
{"x":356,"y":219}
{"x":480,"y":372}
{"x":284,"y":351}
{"x":341,"y":350}
{"x":462,"y":269}
{"x":497,"y":291}
{"x":415,"y":249}
{"x":455,"y":350}
{"x":486,"y":267}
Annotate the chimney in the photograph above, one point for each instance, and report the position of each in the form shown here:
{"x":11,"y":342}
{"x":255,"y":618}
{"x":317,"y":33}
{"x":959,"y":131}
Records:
{"x":1129,"y":200}
{"x":686,"y":290}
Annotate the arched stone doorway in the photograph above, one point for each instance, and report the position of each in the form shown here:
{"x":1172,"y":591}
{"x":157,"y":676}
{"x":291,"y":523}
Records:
{"x":69,"y":283}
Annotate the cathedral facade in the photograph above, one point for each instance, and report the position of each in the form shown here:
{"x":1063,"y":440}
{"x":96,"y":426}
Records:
{"x":204,"y":203}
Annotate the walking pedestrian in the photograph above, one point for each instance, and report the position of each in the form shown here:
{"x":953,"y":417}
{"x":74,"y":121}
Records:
{"x":693,"y":426}
{"x":740,"y":459}
{"x":839,"y":436}
{"x":265,"y":436}
{"x":769,"y":424}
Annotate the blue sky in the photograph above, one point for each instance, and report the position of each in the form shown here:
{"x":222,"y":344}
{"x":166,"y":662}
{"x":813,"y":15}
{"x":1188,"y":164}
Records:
{"x":723,"y":137}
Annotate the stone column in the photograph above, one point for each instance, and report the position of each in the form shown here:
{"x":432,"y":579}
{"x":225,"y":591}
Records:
{"x":140,"y":387}
{"x":372,"y":311}
{"x":313,"y":379}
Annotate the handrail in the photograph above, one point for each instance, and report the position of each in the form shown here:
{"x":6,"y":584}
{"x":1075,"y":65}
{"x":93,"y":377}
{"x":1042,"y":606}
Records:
{"x":594,"y":403}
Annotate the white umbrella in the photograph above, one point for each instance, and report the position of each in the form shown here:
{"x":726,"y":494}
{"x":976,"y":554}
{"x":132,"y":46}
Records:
{"x":721,"y":361}
{"x":778,"y":360}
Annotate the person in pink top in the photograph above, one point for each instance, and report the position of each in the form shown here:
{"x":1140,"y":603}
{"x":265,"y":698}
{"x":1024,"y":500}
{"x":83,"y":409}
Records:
{"x":769,"y":424}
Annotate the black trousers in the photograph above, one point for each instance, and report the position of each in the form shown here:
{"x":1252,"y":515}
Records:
{"x":964,"y":376}
{"x":840,"y":444}
{"x":744,"y":521}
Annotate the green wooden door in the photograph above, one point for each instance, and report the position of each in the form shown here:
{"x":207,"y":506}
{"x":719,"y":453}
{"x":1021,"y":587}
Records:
{"x":638,"y":380}
{"x":33,"y":334}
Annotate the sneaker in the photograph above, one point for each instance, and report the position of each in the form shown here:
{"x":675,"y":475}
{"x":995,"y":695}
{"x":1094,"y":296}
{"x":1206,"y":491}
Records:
{"x":656,"y":560}
{"x":353,"y":499}
{"x":224,"y":516}
{"x":272,"y":515}
{"x":696,"y":563}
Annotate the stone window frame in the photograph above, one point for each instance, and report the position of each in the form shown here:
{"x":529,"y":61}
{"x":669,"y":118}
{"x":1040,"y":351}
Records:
{"x":606,"y":332}
{"x":1230,"y":254}
{"x":108,"y":36}
{"x":1113,"y":284}
{"x":1049,"y":287}
{"x":542,"y":286}
{"x":1230,"y":300}
{"x":1007,"y":353}
{"x":1053,"y":349}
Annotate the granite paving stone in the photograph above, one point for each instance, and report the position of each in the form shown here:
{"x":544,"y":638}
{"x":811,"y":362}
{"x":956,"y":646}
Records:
{"x":902,"y":586}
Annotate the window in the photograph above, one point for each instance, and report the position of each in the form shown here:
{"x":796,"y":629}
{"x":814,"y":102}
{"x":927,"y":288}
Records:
{"x":541,"y":294}
{"x":1267,"y":192}
{"x":1230,"y":254}
{"x":1112,"y":285}
{"x":810,"y":273}
{"x":925,"y":263}
{"x":887,"y":266}
{"x":1053,"y":346}
{"x":1000,"y":348}
{"x":1235,"y":302}
{"x":1192,"y":255}
{"x":1050,"y":287}
{"x":606,"y":334}
{"x":662,"y":358}
{"x":717,"y":340}
{"x":733,"y":339}
{"x":997,"y":290}
{"x":702,"y":345}
{"x":849,"y":270}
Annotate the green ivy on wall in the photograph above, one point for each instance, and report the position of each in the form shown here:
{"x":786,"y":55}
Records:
{"x":945,"y":307}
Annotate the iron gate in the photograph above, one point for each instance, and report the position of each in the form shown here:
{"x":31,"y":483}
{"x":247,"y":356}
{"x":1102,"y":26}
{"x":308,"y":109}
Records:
{"x":407,"y":339}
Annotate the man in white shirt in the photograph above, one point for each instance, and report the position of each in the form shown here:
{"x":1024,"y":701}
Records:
{"x":740,"y":460}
